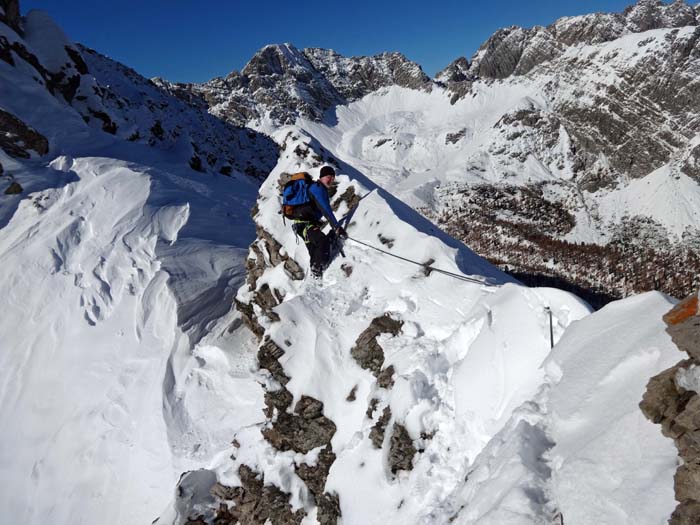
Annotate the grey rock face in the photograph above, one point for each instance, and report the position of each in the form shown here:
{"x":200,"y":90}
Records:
{"x":498,"y":57}
{"x":516,"y":51}
{"x":456,"y":71}
{"x":355,"y":77}
{"x":655,"y":14}
{"x":588,"y":29}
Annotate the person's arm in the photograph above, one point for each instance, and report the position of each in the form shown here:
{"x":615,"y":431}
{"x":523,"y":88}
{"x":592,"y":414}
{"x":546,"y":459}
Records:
{"x":319,"y":195}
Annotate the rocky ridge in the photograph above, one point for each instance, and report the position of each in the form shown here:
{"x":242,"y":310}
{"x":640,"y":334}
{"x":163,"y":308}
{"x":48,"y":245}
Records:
{"x":672,"y":400}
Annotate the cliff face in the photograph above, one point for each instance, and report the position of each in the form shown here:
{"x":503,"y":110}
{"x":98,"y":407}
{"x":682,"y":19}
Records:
{"x":672,"y":400}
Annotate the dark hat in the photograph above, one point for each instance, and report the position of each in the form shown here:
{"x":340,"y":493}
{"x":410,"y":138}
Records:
{"x":327,"y":171}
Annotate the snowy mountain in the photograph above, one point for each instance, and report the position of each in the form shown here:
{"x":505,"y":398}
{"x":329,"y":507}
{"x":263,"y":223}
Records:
{"x":281,"y":83}
{"x":166,"y":359}
{"x":577,"y":142}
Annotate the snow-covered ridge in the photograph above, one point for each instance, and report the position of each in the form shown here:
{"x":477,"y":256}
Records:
{"x":396,"y":396}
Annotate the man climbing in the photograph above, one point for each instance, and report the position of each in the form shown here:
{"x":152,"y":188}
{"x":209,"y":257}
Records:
{"x":306,"y":203}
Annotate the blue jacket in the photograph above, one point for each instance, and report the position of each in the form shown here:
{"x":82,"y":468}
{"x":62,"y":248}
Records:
{"x":319,"y":196}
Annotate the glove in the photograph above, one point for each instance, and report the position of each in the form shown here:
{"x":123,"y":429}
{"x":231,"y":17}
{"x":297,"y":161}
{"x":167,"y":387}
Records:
{"x":340,"y":232}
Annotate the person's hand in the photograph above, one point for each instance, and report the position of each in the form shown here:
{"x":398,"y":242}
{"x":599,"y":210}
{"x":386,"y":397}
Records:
{"x":340,"y":232}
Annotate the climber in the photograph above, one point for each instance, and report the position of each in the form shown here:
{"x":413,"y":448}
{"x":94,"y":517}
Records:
{"x":306,"y":202}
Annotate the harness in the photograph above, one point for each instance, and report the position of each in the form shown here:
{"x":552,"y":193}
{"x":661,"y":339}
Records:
{"x":301,"y":229}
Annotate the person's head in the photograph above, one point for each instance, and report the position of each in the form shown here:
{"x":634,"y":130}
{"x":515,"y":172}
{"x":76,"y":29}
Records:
{"x":327,"y":176}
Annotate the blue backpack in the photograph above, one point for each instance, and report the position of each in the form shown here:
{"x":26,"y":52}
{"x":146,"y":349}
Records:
{"x":295,"y":196}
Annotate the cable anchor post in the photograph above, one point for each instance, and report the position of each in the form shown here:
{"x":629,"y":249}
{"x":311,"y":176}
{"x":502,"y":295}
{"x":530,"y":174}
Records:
{"x":551,"y":326}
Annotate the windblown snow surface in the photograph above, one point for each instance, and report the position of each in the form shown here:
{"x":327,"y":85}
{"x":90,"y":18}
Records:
{"x":124,"y":364}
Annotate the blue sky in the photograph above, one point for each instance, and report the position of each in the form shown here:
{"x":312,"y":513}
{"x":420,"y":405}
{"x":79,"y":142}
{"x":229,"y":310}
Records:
{"x":193,"y":41}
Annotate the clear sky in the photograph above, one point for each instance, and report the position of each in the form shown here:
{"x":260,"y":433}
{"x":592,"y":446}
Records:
{"x":195,"y":40}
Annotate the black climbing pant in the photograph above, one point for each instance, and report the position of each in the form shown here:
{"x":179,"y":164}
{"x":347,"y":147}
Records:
{"x":318,"y":244}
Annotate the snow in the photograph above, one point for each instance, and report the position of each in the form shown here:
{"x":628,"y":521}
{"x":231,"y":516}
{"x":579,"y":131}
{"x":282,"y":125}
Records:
{"x":124,"y":363}
{"x":689,"y":378}
{"x":610,"y":464}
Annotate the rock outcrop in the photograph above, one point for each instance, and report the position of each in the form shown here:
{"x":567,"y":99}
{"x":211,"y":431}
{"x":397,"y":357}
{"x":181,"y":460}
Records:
{"x":18,"y":139}
{"x":672,"y":399}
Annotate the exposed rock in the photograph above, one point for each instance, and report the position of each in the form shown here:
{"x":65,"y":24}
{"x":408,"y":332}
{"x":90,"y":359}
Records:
{"x":355,"y":77}
{"x":498,"y":57}
{"x":328,"y":509}
{"x":286,"y":82}
{"x":348,"y":197}
{"x":686,"y":513}
{"x":687,"y":481}
{"x":662,"y":401}
{"x":18,"y":139}
{"x":655,"y":14}
{"x":456,"y":71}
{"x":249,"y":318}
{"x":302,"y":431}
{"x":385,"y":379}
{"x":277,"y":401}
{"x":367,"y":351}
{"x":684,"y":326}
{"x":257,"y":503}
{"x":453,"y":138}
{"x":401,"y":451}
{"x":268,"y":358}
{"x":352,"y":396}
{"x":14,"y":189}
{"x":315,"y":476}
{"x":371,"y":407}
{"x":678,"y":410}
{"x":376,"y":435}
